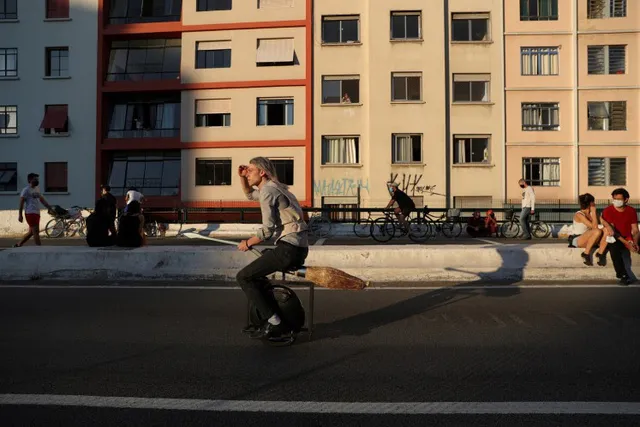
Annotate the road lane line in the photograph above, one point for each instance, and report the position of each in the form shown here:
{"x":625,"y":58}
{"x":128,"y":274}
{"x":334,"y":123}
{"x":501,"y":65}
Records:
{"x":308,"y":407}
{"x":490,"y":241}
{"x":319,"y":242}
{"x":498,"y":320}
{"x":567,"y":320}
{"x":518,"y":320}
{"x":597,"y":318}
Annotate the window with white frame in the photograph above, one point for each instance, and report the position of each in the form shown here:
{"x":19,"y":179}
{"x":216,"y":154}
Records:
{"x":539,"y":10}
{"x":541,"y":171}
{"x":8,"y":119}
{"x":606,"y":59}
{"x":607,"y":171}
{"x":406,"y":87}
{"x":8,"y":9}
{"x":541,"y":116}
{"x":341,"y":29}
{"x":275,"y":112}
{"x":539,"y":61}
{"x":406,"y":148}
{"x":406,"y":25}
{"x":602,"y":9}
{"x":213,"y":54}
{"x":470,"y":149}
{"x":213,"y":113}
{"x":471,"y":87}
{"x":340,"y":89}
{"x":470,"y":27}
{"x":340,"y":150}
{"x":8,"y":62}
{"x":607,"y":115}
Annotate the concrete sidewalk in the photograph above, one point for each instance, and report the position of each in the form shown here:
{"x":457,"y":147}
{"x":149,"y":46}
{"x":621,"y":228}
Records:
{"x":379,"y":264}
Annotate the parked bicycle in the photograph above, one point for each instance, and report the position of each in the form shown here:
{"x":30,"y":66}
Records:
{"x":511,"y":228}
{"x":66,"y":222}
{"x":319,"y":225}
{"x":449,"y":223}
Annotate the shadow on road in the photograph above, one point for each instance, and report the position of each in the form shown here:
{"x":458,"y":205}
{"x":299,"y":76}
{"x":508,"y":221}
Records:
{"x":511,"y":272}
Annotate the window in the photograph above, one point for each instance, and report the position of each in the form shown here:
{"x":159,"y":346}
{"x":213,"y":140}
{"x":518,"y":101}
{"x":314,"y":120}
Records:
{"x":406,"y":149}
{"x":55,"y":177}
{"x":284,"y":170}
{"x":276,"y":52}
{"x":265,"y":4}
{"x":8,"y":177}
{"x":57,"y":9}
{"x":57,"y":62}
{"x":8,"y":9}
{"x":600,"y":9}
{"x":539,"y":61}
{"x":471,"y":87}
{"x":8,"y":61}
{"x":8,"y":119}
{"x":470,"y":27}
{"x":607,"y":171}
{"x":145,"y":119}
{"x":275,"y":112}
{"x":154,"y":173}
{"x":137,"y":11}
{"x":340,"y":150}
{"x":406,"y":86}
{"x":205,"y":5}
{"x":541,"y":172}
{"x":538,"y":10}
{"x":340,"y":29}
{"x":340,"y":89}
{"x":213,"y":113}
{"x":406,"y":25}
{"x":213,"y":172}
{"x":470,"y":149}
{"x":137,"y":60}
{"x":608,"y":115}
{"x":56,"y":120}
{"x":214,"y":54}
{"x":542,"y":116}
{"x":607,"y":59}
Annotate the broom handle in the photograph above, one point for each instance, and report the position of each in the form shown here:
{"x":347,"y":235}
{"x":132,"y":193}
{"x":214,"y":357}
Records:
{"x":232,"y":243}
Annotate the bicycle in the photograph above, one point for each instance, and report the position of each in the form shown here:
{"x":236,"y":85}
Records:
{"x":511,"y":228}
{"x":388,"y":226}
{"x":320,"y":226}
{"x":66,"y":222}
{"x":362,"y":227}
{"x":449,"y":223}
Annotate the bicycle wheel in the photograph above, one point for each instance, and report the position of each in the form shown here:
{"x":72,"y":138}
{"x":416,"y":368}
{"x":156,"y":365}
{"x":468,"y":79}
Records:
{"x":540,"y":229}
{"x":451,"y":228}
{"x":363,"y":228}
{"x":419,"y":230}
{"x":320,"y":227}
{"x":510,"y":229}
{"x":382,"y":230}
{"x":73,"y":227}
{"x":55,"y":228}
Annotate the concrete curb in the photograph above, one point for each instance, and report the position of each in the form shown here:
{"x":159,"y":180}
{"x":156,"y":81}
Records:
{"x":388,"y":264}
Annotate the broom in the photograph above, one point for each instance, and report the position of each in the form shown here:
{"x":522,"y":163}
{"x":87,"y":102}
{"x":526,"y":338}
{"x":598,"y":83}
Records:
{"x":326,"y":277}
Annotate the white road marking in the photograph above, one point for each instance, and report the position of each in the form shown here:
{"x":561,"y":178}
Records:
{"x":518,"y":320}
{"x":318,"y":288}
{"x":490,"y":241}
{"x":498,"y":320}
{"x":596,"y":317}
{"x":307,"y":407}
{"x":567,"y":320}
{"x":319,"y":242}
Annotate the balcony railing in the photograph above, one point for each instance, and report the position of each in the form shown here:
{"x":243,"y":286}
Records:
{"x":142,"y":11}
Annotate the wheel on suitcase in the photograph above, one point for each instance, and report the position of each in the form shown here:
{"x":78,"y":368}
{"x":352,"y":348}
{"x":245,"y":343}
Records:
{"x":291,"y":309}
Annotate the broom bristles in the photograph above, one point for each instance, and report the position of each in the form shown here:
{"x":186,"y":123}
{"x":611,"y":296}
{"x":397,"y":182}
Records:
{"x":329,"y":277}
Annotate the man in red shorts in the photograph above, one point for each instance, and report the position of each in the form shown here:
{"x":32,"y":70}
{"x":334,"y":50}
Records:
{"x":622,"y":222}
{"x":29,"y":201}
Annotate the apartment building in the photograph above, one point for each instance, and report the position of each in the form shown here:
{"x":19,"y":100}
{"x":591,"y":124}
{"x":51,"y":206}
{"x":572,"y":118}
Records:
{"x":408,"y":91}
{"x":572,"y":98}
{"x":191,"y":89}
{"x":48,"y":99}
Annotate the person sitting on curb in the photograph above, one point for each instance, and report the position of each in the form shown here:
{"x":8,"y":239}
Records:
{"x":99,"y":224}
{"x":586,"y":233}
{"x":621,"y":221}
{"x":475,"y":225}
{"x":131,"y":227}
{"x":491,"y":223}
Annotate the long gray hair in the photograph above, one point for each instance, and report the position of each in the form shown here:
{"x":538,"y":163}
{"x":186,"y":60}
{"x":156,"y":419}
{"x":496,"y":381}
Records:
{"x":269,"y":169}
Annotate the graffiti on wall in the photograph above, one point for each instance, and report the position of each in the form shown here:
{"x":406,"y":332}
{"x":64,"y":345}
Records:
{"x":340,"y":187}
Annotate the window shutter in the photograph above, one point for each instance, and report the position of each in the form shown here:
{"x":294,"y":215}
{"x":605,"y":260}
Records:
{"x":213,"y":106}
{"x":596,"y":59}
{"x":617,"y":59}
{"x":618,"y":115}
{"x":617,"y":171}
{"x":213,"y":45}
{"x":597,"y":173}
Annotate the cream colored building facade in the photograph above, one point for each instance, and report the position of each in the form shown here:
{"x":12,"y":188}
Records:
{"x":408,"y":93}
{"x":572,"y":98}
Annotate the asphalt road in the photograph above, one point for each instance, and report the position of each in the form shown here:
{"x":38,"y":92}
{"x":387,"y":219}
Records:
{"x":424,"y":346}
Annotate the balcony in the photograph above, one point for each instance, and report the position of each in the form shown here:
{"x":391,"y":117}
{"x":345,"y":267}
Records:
{"x":144,"y":117}
{"x":144,"y":11}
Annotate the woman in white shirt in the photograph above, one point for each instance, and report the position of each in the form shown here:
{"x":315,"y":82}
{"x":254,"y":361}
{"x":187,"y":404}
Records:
{"x":586,"y":233}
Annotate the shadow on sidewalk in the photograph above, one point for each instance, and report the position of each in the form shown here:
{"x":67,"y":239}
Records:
{"x":514,"y":260}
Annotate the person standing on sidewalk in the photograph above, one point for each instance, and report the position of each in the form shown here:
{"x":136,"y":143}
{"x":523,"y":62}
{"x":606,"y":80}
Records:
{"x":621,"y":221}
{"x":29,"y":201}
{"x":111,"y":207}
{"x":282,"y":218}
{"x":528,"y":208}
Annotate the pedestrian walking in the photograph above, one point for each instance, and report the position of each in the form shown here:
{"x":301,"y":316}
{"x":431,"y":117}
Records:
{"x":30,"y":198}
{"x":528,"y":208}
